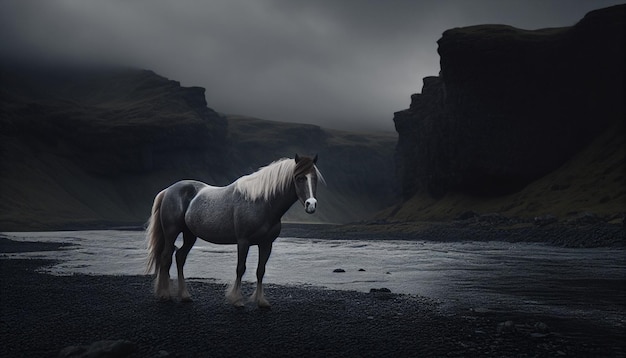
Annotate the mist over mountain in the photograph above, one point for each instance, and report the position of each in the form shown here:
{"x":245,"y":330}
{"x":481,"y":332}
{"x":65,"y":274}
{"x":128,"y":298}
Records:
{"x":91,"y":147}
{"x":345,"y":64}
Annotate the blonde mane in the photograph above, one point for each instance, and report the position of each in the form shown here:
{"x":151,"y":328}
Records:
{"x":268,"y":181}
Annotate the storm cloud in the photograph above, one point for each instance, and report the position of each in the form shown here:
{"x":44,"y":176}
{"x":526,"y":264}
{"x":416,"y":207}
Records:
{"x":343,"y":64}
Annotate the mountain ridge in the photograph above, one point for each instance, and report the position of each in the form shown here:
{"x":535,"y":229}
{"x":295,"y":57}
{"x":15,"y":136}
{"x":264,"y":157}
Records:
{"x":90,"y":148}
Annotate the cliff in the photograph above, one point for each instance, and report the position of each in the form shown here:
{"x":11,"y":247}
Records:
{"x":510,"y":107}
{"x":91,"y":147}
{"x":82,"y":147}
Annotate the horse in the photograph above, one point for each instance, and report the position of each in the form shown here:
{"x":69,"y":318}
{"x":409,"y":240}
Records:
{"x":246,"y":212}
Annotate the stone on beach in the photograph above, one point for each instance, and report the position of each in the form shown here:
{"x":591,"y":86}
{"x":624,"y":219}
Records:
{"x":99,"y":349}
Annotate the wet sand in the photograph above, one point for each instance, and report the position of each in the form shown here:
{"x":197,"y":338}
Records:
{"x":42,"y":314}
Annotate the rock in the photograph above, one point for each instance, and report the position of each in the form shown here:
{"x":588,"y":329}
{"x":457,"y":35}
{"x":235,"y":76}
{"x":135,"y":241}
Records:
{"x":339,"y":270}
{"x":585,"y":218}
{"x":558,"y":187}
{"x":506,"y":327}
{"x":481,"y":310}
{"x":100,"y":349}
{"x":106,"y":126}
{"x":466,"y":215}
{"x":541,"y":327}
{"x":361,"y":270}
{"x":507,"y":107}
{"x":493,"y":219}
{"x":544,"y":220}
{"x":382,"y":290}
{"x":382,"y":294}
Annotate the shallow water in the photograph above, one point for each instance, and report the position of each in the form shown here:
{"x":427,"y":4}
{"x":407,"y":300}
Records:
{"x":489,"y":276}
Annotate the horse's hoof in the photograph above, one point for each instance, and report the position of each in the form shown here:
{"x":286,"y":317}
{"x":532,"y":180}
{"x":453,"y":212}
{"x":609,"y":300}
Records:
{"x":186,"y":299}
{"x":235,"y":299}
{"x":261,"y":302}
{"x":265,"y":305}
{"x":164,"y":298}
{"x":239,"y":304}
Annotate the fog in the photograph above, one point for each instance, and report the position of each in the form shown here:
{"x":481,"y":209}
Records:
{"x":342,"y":64}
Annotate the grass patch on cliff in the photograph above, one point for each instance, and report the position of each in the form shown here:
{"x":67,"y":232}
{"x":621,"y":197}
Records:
{"x":591,"y":181}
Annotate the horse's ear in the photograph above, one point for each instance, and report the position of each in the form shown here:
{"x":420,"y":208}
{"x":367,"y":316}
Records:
{"x":315,"y":159}
{"x":297,"y":158}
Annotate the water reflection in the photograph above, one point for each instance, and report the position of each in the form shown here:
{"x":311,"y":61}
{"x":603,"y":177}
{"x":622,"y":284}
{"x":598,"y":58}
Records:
{"x":488,"y":275}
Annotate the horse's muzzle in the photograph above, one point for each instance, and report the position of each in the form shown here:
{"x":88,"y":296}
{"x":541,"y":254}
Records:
{"x":309,"y":205}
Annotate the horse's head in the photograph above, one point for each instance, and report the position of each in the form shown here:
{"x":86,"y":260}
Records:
{"x":305,"y":176}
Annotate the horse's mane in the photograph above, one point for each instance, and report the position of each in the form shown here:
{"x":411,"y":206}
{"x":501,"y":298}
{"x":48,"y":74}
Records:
{"x":270,"y":180}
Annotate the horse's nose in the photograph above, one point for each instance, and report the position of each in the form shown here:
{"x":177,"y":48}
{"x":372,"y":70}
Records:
{"x":309,"y":205}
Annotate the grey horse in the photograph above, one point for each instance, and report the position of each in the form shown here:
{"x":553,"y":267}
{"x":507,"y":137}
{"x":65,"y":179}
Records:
{"x":247,"y":212}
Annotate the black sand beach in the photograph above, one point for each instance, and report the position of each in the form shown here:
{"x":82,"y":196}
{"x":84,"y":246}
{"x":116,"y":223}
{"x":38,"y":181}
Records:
{"x":41,"y":315}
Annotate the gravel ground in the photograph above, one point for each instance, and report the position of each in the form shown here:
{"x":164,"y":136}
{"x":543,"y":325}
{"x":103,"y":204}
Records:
{"x":43,"y":314}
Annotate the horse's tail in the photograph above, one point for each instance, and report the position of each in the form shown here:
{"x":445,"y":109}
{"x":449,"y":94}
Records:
{"x":155,"y":238}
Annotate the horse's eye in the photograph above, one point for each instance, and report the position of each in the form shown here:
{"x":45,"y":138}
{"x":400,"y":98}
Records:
{"x":301,"y":179}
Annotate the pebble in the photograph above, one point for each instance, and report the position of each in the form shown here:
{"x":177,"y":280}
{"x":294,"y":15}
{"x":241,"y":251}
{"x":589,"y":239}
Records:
{"x":481,"y":310}
{"x":538,"y":335}
{"x":383,"y":290}
{"x":99,"y":349}
{"x":506,"y":327}
{"x":541,"y":327}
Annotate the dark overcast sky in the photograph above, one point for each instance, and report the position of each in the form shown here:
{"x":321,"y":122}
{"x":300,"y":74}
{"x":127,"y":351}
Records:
{"x":339,"y":63}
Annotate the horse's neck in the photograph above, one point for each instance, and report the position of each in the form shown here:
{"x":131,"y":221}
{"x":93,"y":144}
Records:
{"x":283,"y":201}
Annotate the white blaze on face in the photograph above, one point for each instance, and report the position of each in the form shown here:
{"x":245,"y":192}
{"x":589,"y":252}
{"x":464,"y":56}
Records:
{"x":311,"y":202}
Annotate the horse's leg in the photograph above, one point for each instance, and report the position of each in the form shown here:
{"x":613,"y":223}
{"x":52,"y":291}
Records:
{"x":181,"y":256}
{"x":264,"y":254}
{"x":163,"y":274}
{"x":234,"y":295}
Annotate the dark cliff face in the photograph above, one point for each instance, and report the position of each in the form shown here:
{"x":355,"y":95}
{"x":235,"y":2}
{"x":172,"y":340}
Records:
{"x":112,"y":122}
{"x":84,"y":147}
{"x":511,"y":105}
